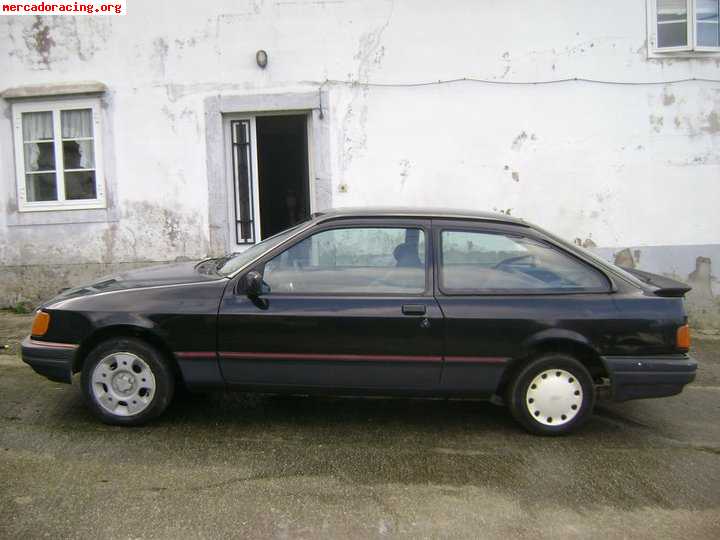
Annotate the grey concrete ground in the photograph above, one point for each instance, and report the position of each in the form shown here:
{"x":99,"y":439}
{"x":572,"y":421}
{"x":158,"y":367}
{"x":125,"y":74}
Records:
{"x":229,"y":465}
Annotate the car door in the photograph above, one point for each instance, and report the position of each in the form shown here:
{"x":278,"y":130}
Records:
{"x":349,"y":306}
{"x":503,"y":289}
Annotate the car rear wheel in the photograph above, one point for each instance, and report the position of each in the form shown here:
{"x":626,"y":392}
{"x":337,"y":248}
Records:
{"x":127,"y":382}
{"x":552,"y":395}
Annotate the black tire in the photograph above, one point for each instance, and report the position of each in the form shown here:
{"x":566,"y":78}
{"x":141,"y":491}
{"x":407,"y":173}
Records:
{"x":533,"y":420}
{"x":164,"y":380}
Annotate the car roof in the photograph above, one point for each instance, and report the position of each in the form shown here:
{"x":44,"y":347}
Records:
{"x":420,"y":212}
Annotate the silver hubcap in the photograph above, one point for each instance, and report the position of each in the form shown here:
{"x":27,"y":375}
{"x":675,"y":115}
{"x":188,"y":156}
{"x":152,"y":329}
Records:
{"x":554,"y":397}
{"x":123,"y":384}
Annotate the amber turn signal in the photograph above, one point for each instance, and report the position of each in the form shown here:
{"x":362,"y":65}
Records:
{"x":41,"y":322}
{"x":683,"y":337}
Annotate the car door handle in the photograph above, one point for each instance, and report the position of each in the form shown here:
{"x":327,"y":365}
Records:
{"x":414,"y":309}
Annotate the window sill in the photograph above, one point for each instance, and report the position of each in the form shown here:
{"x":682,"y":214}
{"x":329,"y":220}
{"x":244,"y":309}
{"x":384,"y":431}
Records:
{"x":693,"y":55}
{"x":60,"y":217}
{"x":49,"y":207}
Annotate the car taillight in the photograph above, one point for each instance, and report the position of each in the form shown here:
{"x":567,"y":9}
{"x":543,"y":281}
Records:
{"x":40,"y":325}
{"x":682,"y":340}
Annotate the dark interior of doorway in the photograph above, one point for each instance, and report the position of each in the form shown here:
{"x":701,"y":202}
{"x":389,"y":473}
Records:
{"x":282,"y":149}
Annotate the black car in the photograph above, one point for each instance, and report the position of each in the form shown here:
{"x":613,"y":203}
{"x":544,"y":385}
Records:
{"x":377,"y":301}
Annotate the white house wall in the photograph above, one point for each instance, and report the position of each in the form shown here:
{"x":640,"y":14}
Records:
{"x":613,"y":166}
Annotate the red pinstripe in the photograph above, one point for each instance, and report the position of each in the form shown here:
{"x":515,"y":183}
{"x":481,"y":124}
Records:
{"x":195,"y":354}
{"x":477,"y":359}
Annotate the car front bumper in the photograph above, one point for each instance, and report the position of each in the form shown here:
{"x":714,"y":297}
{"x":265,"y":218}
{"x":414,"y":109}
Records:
{"x":635,"y":377}
{"x":53,"y":360}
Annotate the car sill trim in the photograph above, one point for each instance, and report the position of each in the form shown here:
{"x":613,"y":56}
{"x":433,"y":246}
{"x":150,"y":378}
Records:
{"x":232,"y":355}
{"x":338,"y":357}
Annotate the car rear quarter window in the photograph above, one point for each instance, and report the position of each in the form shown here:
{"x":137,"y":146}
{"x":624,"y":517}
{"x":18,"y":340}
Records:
{"x":481,"y":262}
{"x":357,"y":260}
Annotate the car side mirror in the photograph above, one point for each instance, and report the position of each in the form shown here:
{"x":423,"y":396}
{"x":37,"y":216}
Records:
{"x":253,"y":283}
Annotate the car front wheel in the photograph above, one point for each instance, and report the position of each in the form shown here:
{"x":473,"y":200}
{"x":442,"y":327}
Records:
{"x":126,"y":381}
{"x":552,"y":395}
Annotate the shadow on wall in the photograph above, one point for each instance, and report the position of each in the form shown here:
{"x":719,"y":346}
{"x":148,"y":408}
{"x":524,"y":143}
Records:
{"x":703,"y":304}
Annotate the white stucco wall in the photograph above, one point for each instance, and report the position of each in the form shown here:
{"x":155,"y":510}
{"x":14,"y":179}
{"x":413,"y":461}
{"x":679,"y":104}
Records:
{"x":620,"y":165}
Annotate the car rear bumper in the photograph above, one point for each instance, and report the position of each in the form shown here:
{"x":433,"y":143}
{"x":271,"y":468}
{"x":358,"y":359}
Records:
{"x":635,"y":377}
{"x":53,"y":360}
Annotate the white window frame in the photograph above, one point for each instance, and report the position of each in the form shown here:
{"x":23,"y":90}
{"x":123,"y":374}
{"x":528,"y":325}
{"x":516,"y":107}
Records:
{"x":683,"y":51}
{"x":56,"y":106}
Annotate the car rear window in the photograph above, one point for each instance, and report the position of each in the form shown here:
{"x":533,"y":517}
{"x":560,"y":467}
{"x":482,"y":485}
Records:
{"x":473,"y":261}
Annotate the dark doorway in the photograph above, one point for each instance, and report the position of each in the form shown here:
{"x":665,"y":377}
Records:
{"x":282,"y":150}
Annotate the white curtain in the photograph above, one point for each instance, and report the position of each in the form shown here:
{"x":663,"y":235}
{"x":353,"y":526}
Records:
{"x":32,"y":157}
{"x":76,"y":123}
{"x":37,"y":126}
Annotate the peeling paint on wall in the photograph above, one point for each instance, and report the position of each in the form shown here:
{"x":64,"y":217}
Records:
{"x":405,"y":167}
{"x":713,"y":123}
{"x":656,"y":123}
{"x":41,"y":41}
{"x":586,"y":243}
{"x":701,"y":279}
{"x":625,"y":259}
{"x":159,"y":56}
{"x":668,"y":98}
{"x":369,"y":57}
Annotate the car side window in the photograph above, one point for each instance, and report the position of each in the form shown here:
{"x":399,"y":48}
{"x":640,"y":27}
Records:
{"x":495,"y":262}
{"x":358,"y":260}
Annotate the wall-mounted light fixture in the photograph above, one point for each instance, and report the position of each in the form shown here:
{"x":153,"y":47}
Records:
{"x":261,"y":58}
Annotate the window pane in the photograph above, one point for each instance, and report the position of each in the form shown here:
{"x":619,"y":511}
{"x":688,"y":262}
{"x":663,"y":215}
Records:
{"x":707,"y":10}
{"x":37,"y":126}
{"x":76,"y":123}
{"x":40,"y":187}
{"x":708,"y":35}
{"x":672,"y":28}
{"x":671,"y":10}
{"x":672,"y":35}
{"x":39,"y":156}
{"x":707,"y":23}
{"x":78,"y":155}
{"x":351,"y":261}
{"x":80,"y":185}
{"x":474,"y":261}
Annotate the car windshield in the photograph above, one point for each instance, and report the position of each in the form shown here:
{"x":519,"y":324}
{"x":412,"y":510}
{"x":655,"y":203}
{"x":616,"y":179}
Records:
{"x":231,"y":263}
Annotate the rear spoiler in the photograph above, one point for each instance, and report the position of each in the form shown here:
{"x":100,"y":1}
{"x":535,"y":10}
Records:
{"x":664,"y":286}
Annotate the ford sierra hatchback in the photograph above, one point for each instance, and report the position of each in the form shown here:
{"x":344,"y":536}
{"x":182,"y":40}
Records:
{"x":376,"y":301}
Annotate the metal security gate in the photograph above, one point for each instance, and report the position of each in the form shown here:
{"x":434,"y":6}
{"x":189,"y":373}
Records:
{"x":244,"y":214}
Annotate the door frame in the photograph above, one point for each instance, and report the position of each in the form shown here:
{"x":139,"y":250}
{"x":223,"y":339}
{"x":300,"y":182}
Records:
{"x":424,"y":224}
{"x":251,"y":117}
{"x":217,"y":105}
